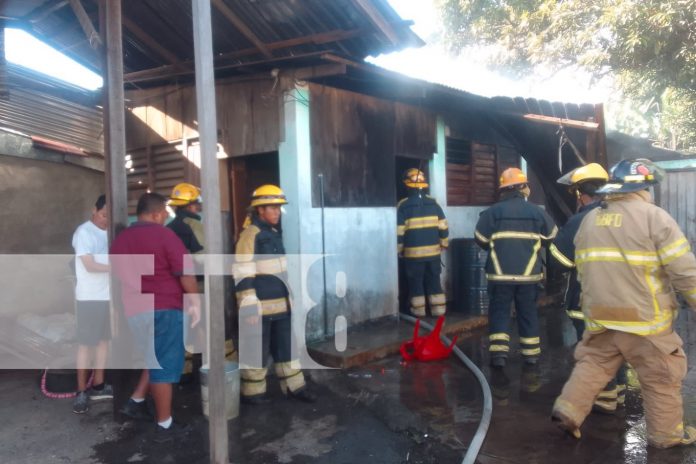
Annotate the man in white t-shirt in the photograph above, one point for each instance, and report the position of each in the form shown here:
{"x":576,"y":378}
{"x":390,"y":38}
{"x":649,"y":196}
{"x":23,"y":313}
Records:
{"x":91,"y":245}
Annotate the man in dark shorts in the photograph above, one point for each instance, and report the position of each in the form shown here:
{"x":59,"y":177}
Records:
{"x":157,"y":324}
{"x":91,"y":246}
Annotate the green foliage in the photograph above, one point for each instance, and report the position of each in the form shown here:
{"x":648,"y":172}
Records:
{"x":647,"y":46}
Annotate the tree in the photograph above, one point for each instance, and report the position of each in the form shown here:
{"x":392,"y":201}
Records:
{"x":647,"y":46}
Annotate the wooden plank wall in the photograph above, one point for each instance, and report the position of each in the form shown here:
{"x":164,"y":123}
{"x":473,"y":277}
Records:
{"x":677,"y":195}
{"x":473,"y":170}
{"x":355,"y":142}
{"x":159,"y":120}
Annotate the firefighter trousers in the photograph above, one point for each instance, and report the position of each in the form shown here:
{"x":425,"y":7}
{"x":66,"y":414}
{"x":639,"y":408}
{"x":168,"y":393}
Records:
{"x":423,"y":278}
{"x":614,"y":393}
{"x":660,"y":364}
{"x":276,"y":341}
{"x":501,"y":296}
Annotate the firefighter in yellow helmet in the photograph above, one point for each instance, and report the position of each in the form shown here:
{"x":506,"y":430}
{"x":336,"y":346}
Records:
{"x":630,"y":257}
{"x":513,"y":231}
{"x":583,"y":182}
{"x":260,"y":273}
{"x":188,"y":205}
{"x":186,"y":199}
{"x":422,"y":234}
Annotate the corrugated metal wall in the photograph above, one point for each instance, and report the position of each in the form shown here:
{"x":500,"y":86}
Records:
{"x":677,"y":195}
{"x":44,"y":107}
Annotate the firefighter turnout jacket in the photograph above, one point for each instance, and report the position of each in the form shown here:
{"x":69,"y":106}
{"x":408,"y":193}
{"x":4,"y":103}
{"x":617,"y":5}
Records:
{"x":422,"y":229}
{"x":563,"y":256}
{"x":630,"y":254}
{"x":260,"y":270}
{"x":514,"y":231}
{"x":188,"y":227}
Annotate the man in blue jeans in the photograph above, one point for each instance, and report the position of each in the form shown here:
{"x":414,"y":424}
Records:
{"x":157,"y":328}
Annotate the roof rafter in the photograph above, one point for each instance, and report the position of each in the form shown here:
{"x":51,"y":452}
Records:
{"x":316,"y":39}
{"x":86,"y":23}
{"x":147,"y":39}
{"x":232,"y":17}
{"x":378,"y":20}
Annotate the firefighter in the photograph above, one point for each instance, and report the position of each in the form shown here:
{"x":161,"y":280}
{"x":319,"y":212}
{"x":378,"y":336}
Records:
{"x":186,"y":198}
{"x":513,"y":231}
{"x":262,"y":296}
{"x":630,"y":254}
{"x":187,"y":225}
{"x":422,"y":233}
{"x":584,"y":182}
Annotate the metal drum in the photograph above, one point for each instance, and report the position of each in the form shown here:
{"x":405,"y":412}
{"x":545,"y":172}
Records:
{"x":469,"y":283}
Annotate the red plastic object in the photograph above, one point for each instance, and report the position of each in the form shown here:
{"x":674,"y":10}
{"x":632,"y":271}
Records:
{"x":428,"y":348}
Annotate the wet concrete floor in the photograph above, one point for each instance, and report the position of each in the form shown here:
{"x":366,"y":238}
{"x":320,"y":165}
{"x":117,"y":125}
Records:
{"x":384,"y":412}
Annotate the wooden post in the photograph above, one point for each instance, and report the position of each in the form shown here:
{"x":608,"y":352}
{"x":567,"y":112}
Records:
{"x":212,"y":225}
{"x":602,"y":157}
{"x":115,"y":171}
{"x":115,"y":119}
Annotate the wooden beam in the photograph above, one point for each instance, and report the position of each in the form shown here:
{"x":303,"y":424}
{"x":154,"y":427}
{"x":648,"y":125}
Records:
{"x":602,"y":156}
{"x":42,"y":11}
{"x":116,"y":181}
{"x":241,"y":27}
{"x":212,"y":226}
{"x":316,"y":39}
{"x":378,"y":20}
{"x":115,"y":117}
{"x":583,"y":125}
{"x":324,"y":70}
{"x":136,"y":77}
{"x":149,"y":42}
{"x":86,"y":23}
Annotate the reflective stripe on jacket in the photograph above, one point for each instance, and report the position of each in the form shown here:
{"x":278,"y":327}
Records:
{"x":422,"y":229}
{"x":514,"y":231}
{"x":629,"y":255}
{"x":260,"y":270}
{"x":563,"y":257}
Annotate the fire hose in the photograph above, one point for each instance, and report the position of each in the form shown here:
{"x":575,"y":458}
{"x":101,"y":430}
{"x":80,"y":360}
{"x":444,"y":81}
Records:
{"x":480,"y":435}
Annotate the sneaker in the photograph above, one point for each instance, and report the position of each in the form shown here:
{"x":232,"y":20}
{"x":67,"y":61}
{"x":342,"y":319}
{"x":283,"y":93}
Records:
{"x":255,"y":400}
{"x":176,"y":431}
{"x":303,"y":395}
{"x":565,"y":424}
{"x":81,"y":403}
{"x":106,"y":393}
{"x":137,"y":411}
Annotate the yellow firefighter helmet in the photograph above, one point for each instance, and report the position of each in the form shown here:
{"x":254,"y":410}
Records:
{"x":415,"y":178}
{"x":184,"y":194}
{"x":589,"y":172}
{"x":268,"y":195}
{"x":512,"y":177}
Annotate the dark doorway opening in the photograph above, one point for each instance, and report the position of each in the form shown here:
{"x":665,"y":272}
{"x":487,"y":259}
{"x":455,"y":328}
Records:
{"x":247,"y":173}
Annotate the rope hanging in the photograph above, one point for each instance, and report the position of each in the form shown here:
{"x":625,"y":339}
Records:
{"x":563,"y":139}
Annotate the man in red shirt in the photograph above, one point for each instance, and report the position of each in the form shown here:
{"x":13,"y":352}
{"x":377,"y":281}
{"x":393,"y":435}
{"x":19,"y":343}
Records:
{"x":149,"y":260}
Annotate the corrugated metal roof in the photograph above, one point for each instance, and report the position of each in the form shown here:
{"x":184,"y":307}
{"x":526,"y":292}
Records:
{"x":169,"y":23}
{"x":40,"y":106}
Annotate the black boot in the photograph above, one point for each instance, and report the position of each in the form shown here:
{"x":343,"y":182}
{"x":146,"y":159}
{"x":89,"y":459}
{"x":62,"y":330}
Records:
{"x":256,"y":399}
{"x":303,"y":394}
